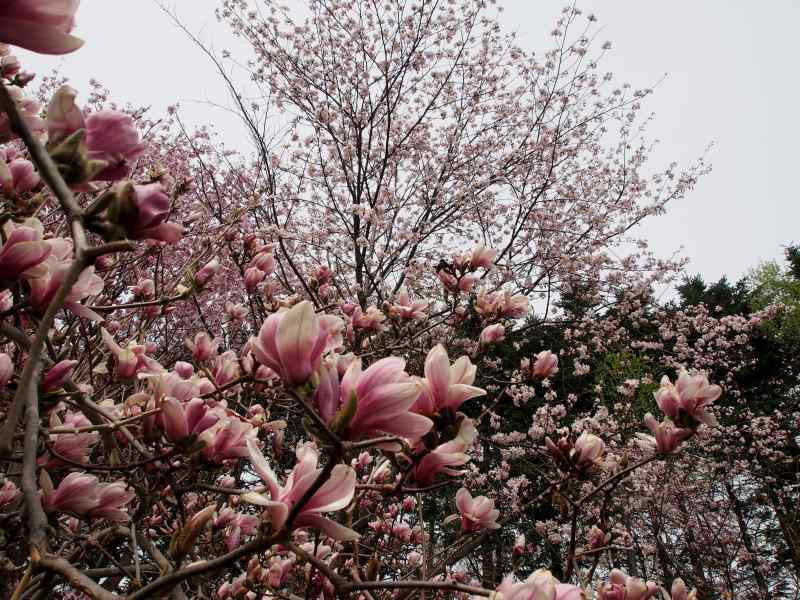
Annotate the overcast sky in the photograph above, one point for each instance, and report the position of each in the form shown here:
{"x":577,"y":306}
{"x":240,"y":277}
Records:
{"x":731,"y":69}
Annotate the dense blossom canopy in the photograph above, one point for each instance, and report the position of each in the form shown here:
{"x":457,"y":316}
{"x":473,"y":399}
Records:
{"x":407,"y":348}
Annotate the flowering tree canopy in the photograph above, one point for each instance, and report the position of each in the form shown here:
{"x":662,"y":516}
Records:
{"x":406,"y":349}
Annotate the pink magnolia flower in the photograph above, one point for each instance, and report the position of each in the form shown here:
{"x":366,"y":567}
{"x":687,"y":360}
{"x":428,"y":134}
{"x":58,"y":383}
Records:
{"x":292,"y":342}
{"x":18,"y":177}
{"x":113,"y":138}
{"x":446,"y":386}
{"x":370,"y":320}
{"x":519,"y":546}
{"x":383,"y":394}
{"x":623,"y":587}
{"x":405,"y":308}
{"x":82,"y":494}
{"x":476,"y":513}
{"x":6,"y":369}
{"x":689,"y":397}
{"x":667,"y":437}
{"x":74,"y":446}
{"x":252,"y":277}
{"x":545,"y":365}
{"x":464,"y":283}
{"x":24,"y":251}
{"x":43,"y":287}
{"x":680,"y":591}
{"x":111,"y":497}
{"x":207,"y":272}
{"x":29,"y":107}
{"x":492,"y":334}
{"x":184,"y":369}
{"x":227,"y":439}
{"x":541,"y":585}
{"x":236,"y":312}
{"x":40,"y":26}
{"x":8,"y":493}
{"x":182,"y":419}
{"x":446,"y":456}
{"x":203,"y":347}
{"x":237,"y":526}
{"x":335,"y":494}
{"x":75,"y":493}
{"x":151,"y":206}
{"x":588,"y":450}
{"x":56,"y":375}
{"x":226,"y":368}
{"x":265,"y":262}
{"x":482,"y":257}
{"x":131,"y":360}
{"x":494,"y":305}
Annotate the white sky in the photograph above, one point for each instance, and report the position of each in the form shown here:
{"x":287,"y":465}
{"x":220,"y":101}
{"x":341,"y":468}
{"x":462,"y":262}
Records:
{"x":731,"y":80}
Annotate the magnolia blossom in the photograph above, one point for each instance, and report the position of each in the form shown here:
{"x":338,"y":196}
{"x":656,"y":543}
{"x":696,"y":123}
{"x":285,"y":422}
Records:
{"x":544,"y":366}
{"x":383,"y":395}
{"x":335,"y":494}
{"x":667,"y":436}
{"x":207,"y":272}
{"x":681,"y":592}
{"x":454,"y":284}
{"x":18,"y":177}
{"x":203,"y":347}
{"x":623,"y":587}
{"x":492,"y":334}
{"x":252,"y":277}
{"x":588,"y":450}
{"x":445,"y":385}
{"x":182,"y":419}
{"x":56,"y":375}
{"x":476,"y":513}
{"x":405,"y":308}
{"x":482,"y":257}
{"x":24,"y":251}
{"x":227,"y":439}
{"x":237,"y":525}
{"x":494,"y":305}
{"x":6,"y":369}
{"x":72,"y":446}
{"x":446,"y":456}
{"x":292,"y":342}
{"x":83,"y":494}
{"x":8,"y":493}
{"x":369,"y":320}
{"x":132,"y":359}
{"x":541,"y":585}
{"x":690,"y":397}
{"x":112,"y":137}
{"x":44,"y":287}
{"x":41,"y":26}
{"x":143,"y":212}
